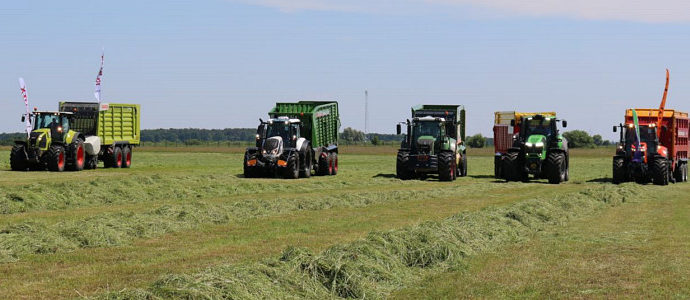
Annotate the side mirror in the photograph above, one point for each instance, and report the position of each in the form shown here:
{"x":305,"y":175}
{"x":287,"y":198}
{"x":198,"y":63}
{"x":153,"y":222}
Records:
{"x":23,"y":118}
{"x":398,"y":129}
{"x":565,"y":123}
{"x":615,"y":128}
{"x":512,"y":123}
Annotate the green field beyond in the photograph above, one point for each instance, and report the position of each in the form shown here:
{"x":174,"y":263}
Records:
{"x":184,"y":223}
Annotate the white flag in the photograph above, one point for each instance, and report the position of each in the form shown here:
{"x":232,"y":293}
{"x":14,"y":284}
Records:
{"x":27,"y":117}
{"x":97,"y":93}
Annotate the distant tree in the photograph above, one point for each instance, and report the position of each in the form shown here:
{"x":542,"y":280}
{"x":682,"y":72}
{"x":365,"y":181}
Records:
{"x":598,"y":140}
{"x":375,"y":140}
{"x":476,"y":141}
{"x":350,"y":135}
{"x":606,"y":143}
{"x":579,"y":139}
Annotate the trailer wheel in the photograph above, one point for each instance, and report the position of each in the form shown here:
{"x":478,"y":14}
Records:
{"x":292,"y":168}
{"x":78,"y":155}
{"x":401,"y":170}
{"x":323,"y":164}
{"x":117,"y":157}
{"x":511,"y":167}
{"x":91,"y":162}
{"x":18,"y":160}
{"x":445,"y":167}
{"x":334,"y":163}
{"x":659,"y":170}
{"x":618,"y":170}
{"x":56,"y":158}
{"x":555,"y":167}
{"x":685,"y":172}
{"x":126,"y":157}
{"x":463,"y":169}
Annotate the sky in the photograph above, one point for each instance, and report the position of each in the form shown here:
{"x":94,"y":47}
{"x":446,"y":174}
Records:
{"x":224,"y":63}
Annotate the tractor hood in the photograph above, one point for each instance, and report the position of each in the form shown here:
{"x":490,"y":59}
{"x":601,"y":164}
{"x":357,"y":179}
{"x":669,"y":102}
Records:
{"x":426,"y":143}
{"x":535,"y":144}
{"x":39,"y":138}
{"x":273,"y":147}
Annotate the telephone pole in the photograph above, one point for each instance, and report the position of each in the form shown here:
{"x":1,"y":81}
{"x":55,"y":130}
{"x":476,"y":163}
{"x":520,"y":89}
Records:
{"x":366,"y":111}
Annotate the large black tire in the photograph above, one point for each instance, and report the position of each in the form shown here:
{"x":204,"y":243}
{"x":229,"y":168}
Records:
{"x":91,"y":162}
{"x":323,"y":166}
{"x":512,"y":168}
{"x":56,"y":158}
{"x":498,"y":167}
{"x":306,"y":170}
{"x":660,"y":171}
{"x":463,"y":168}
{"x":116,"y":159}
{"x":77,"y":155}
{"x":619,"y":170}
{"x":18,"y":160}
{"x":126,"y":156}
{"x":334,"y":163}
{"x":685,"y":172}
{"x":249,"y":172}
{"x":292,"y":168}
{"x":401,"y":170}
{"x":555,"y":167}
{"x":446,"y":166}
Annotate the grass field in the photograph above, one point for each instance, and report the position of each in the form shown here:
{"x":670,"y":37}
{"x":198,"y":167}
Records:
{"x":184,"y":223}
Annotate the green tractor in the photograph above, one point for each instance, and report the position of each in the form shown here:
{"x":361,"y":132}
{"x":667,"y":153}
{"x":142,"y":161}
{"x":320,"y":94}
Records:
{"x":538,"y":149}
{"x":433,"y":143}
{"x":51,"y":145}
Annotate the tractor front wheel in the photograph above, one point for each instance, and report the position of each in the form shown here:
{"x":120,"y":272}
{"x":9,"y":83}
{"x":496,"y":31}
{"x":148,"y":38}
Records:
{"x":401,"y":170}
{"x":56,"y":158}
{"x":512,"y":169}
{"x":18,"y":161}
{"x":446,"y":168}
{"x":659,"y":170}
{"x":555,"y":167}
{"x":618,"y":170}
{"x":292,"y":168}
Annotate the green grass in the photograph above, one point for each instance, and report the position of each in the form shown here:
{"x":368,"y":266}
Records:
{"x":181,"y":214}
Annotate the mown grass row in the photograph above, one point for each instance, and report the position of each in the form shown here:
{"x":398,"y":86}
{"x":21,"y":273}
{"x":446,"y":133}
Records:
{"x":120,"y":228}
{"x":384,"y":261}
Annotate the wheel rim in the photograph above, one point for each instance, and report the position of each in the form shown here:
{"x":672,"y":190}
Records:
{"x":80,"y":156}
{"x":61,"y":160}
{"x":330,"y":166}
{"x":119,"y":159}
{"x":336,"y":164}
{"x":129,"y":158}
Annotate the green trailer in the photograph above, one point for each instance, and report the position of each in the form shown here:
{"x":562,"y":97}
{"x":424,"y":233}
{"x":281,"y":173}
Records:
{"x":77,"y":136}
{"x":434,"y":143}
{"x":298,"y":138}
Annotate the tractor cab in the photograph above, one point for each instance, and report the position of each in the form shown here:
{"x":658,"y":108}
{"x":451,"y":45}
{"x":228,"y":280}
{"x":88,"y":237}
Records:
{"x":648,"y":140}
{"x":427,"y":133}
{"x":276,"y":134}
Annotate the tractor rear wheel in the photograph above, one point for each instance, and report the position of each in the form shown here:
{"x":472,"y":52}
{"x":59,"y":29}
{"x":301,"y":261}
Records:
{"x":512,"y":169}
{"x":292,"y":168}
{"x":498,"y":164}
{"x":618,"y":170}
{"x":555,"y":167}
{"x":56,"y":158}
{"x":126,"y":157}
{"x":401,"y":170}
{"x":78,"y":155}
{"x":446,"y":168}
{"x":659,"y":170}
{"x":18,"y":161}
{"x":306,"y":171}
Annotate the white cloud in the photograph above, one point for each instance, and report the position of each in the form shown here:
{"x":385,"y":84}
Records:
{"x":623,"y":10}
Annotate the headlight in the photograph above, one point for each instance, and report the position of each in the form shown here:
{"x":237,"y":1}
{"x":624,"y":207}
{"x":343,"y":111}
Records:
{"x":274,"y":151}
{"x":539,"y":145}
{"x":528,"y":144}
{"x":258,"y":136}
{"x":620,"y":147}
{"x":263,"y":151}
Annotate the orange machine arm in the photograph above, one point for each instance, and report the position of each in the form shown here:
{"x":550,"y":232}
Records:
{"x":661,"y":107}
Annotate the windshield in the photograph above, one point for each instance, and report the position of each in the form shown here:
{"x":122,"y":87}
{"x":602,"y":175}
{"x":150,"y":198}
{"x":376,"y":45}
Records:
{"x":426,"y":128}
{"x":541,"y":126}
{"x":647,"y":134}
{"x":46,"y":121}
{"x":279,"y":129}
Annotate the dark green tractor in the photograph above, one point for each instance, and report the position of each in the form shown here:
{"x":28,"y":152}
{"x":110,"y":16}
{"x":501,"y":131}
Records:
{"x":51,"y":145}
{"x":539,"y":150}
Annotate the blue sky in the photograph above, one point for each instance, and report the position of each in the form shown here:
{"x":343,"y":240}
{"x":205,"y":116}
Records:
{"x":218,"y":64}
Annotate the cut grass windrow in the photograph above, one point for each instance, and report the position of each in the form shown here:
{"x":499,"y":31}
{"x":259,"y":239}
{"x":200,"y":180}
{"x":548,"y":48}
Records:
{"x":120,"y":228}
{"x":385,"y":261}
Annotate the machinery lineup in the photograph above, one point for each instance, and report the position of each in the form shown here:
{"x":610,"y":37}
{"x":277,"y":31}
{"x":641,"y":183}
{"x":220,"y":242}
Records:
{"x":300,"y":139}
